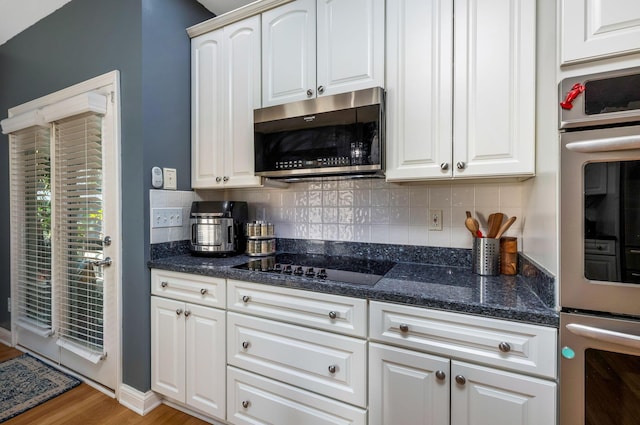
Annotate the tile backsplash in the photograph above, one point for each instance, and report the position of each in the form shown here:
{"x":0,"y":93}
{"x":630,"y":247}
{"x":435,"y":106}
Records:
{"x":361,"y":210}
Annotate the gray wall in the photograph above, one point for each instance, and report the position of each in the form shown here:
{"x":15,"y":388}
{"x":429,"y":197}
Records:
{"x":86,"y":38}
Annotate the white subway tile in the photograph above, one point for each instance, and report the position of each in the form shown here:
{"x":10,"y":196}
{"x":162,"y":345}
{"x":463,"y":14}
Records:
{"x":440,"y":196}
{"x":462,"y":196}
{"x":314,"y":198}
{"x":345,"y":198}
{"x":315,"y":215}
{"x":345,"y":215}
{"x":379,"y":215}
{"x":345,"y":232}
{"x":361,"y":233}
{"x":315,"y":231}
{"x":330,"y":215}
{"x":330,"y":232}
{"x":399,"y":234}
{"x":380,"y":197}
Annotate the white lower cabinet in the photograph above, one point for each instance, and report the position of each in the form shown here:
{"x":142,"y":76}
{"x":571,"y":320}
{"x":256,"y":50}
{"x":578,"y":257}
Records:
{"x":411,"y":387}
{"x":187,"y":354}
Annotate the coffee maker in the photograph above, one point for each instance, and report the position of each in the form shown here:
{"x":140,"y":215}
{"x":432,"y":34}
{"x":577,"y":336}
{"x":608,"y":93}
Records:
{"x":217,"y":228}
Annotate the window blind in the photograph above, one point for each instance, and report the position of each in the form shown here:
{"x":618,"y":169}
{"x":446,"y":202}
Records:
{"x":78,"y":206}
{"x":31,"y":227}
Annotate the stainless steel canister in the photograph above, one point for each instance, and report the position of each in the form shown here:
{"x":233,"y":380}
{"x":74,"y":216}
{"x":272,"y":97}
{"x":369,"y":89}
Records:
{"x":485,"y":256}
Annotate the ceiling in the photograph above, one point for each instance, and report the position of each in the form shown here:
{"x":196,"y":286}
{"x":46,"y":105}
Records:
{"x":18,"y":15}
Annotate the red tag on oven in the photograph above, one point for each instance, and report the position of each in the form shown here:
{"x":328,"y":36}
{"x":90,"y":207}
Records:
{"x":573,"y":93}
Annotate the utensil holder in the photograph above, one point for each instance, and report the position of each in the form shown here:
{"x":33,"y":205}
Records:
{"x":485,"y":256}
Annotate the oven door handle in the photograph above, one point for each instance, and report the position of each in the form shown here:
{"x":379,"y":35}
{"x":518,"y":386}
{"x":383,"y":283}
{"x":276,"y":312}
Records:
{"x":628,"y":340}
{"x":607,"y":144}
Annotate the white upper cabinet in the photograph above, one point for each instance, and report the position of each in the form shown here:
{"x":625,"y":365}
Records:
{"x":313,"y":48}
{"x":598,"y":29}
{"x":476,"y":119}
{"x":225,"y":66}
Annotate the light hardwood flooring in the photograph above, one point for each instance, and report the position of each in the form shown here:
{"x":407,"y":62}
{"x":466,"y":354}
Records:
{"x":84,"y":405}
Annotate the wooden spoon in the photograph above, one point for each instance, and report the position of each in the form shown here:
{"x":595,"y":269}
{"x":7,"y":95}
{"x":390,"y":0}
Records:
{"x":472,"y":226}
{"x":505,"y":227}
{"x":495,"y":221}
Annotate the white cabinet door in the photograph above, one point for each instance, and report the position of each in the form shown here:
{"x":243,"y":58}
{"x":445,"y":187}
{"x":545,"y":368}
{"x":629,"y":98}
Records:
{"x":168,"y":339}
{"x":484,"y":396}
{"x":207,"y":112}
{"x":289,"y":53}
{"x":407,"y":388}
{"x":494,"y":88}
{"x":350,"y":45}
{"x":598,"y":29}
{"x":242,"y":61}
{"x":205,"y":359}
{"x":419,"y":87}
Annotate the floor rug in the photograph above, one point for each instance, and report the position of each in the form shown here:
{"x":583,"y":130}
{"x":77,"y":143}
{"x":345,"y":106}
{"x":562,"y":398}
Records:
{"x":25,"y":382}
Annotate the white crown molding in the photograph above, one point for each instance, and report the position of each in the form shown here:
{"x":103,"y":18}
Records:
{"x":22,"y":121}
{"x":76,"y":105}
{"x":243,"y":12}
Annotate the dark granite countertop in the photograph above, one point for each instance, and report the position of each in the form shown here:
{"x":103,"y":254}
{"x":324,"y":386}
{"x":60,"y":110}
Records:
{"x":441,"y":287}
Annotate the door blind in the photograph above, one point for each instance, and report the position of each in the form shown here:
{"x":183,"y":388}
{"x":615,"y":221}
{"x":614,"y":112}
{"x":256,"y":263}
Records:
{"x":78,"y":205}
{"x":31,"y":227}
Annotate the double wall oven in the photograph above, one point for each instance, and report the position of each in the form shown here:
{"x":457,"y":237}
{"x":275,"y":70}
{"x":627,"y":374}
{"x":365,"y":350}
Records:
{"x":600,"y":249}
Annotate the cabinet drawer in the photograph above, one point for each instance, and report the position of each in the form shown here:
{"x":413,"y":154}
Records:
{"x":271,"y":402}
{"x":332,"y":365}
{"x":333,"y":313}
{"x":599,"y":247}
{"x":517,"y":346}
{"x":204,"y":290}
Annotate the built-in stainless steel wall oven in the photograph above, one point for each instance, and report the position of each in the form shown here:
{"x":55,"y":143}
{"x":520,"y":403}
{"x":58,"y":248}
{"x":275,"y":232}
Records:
{"x":600,"y":249}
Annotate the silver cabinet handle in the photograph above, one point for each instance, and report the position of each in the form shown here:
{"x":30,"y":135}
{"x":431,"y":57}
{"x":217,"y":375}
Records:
{"x":461,"y":379}
{"x":309,"y":93}
{"x":440,"y":375}
{"x":225,"y":179}
{"x":218,"y":179}
{"x":245,"y":344}
{"x":320,"y":89}
{"x":461,"y":165}
{"x":246,"y":403}
{"x":444,"y":166}
{"x":333,"y":369}
{"x":106,"y":262}
{"x":164,"y":283}
{"x":627,"y":340}
{"x":504,"y":347}
{"x":634,"y":251}
{"x":203,"y":291}
{"x":187,"y":313}
{"x":404,"y":327}
{"x":246,"y":298}
{"x":333,"y":315}
{"x":178,"y":311}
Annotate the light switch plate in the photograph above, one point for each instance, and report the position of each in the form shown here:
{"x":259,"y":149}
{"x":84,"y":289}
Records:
{"x":166,"y":217}
{"x":170,"y":178}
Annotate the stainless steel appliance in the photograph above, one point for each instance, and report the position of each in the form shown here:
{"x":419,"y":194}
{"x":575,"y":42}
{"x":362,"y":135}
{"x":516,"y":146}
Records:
{"x":319,"y":267}
{"x":217,"y":227}
{"x":600,"y":249}
{"x":340,"y":135}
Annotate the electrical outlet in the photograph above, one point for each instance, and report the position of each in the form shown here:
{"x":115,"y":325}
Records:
{"x":170,"y":178}
{"x":166,"y":217}
{"x":435,"y":220}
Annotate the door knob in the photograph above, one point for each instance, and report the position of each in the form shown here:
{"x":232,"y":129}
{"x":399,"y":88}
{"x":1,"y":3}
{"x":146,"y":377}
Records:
{"x":106,"y":262}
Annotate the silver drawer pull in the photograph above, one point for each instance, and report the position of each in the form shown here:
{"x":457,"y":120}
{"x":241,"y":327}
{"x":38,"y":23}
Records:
{"x":178,"y":311}
{"x":164,"y":284}
{"x":203,"y":291}
{"x":245,"y":344}
{"x":333,"y":369}
{"x":404,"y":327}
{"x":504,"y":347}
{"x":461,"y":380}
{"x":187,"y":313}
{"x":246,"y":403}
{"x":440,"y":375}
{"x":246,"y":298}
{"x":333,"y":315}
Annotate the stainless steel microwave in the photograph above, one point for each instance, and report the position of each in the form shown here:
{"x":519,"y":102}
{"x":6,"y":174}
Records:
{"x":336,"y":135}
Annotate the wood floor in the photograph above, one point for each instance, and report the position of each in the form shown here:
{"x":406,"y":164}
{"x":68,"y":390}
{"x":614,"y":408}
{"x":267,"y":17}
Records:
{"x":87,"y":406}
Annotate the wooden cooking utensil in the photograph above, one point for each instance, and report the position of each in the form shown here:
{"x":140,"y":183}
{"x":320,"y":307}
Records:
{"x":495,"y":221}
{"x":472,"y":226}
{"x":505,"y":227}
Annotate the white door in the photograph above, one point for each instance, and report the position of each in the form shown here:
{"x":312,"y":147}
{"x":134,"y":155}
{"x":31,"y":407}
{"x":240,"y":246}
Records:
{"x":242,"y":96}
{"x":350,"y":45}
{"x":289,"y":53}
{"x":598,"y":29}
{"x":208,"y":98}
{"x":407,"y":387}
{"x":168,"y":341}
{"x":419,"y":89}
{"x":494,"y":87}
{"x":485,"y":396}
{"x":69,"y":304}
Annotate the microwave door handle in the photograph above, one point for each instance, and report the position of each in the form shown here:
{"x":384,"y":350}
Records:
{"x":230,"y":233}
{"x":606,"y":144}
{"x":627,"y":340}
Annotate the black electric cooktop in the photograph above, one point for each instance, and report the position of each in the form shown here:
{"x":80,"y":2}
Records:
{"x":358,"y":271}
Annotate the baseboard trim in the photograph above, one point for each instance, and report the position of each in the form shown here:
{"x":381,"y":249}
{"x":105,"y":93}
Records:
{"x":5,"y":337}
{"x":139,"y":402}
